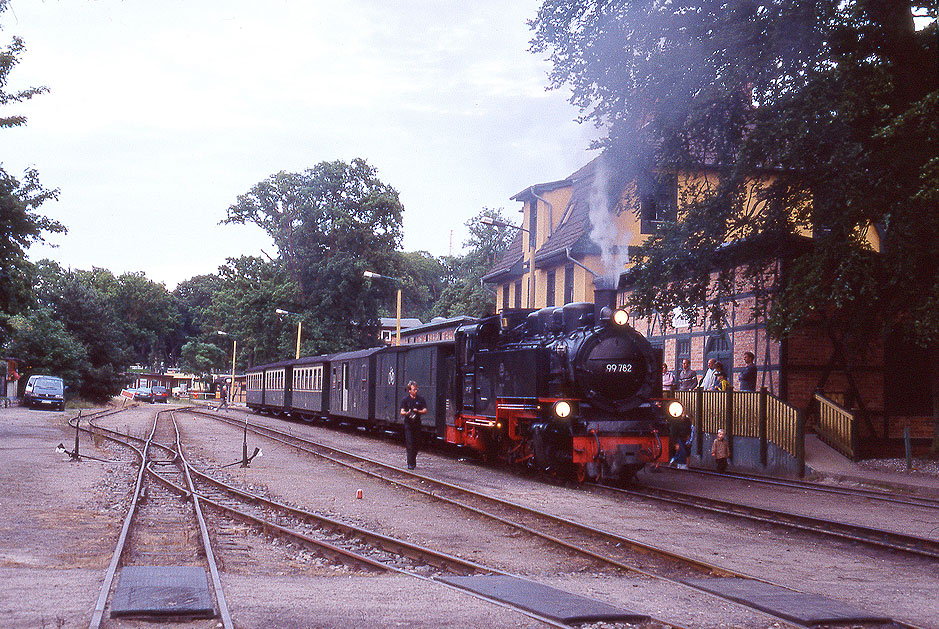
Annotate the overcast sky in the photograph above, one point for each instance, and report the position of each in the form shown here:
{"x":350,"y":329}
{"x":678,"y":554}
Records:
{"x":161,"y":113}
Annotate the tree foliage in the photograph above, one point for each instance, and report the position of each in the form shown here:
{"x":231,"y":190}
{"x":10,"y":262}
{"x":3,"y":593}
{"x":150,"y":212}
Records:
{"x":465,"y":292}
{"x":20,"y":198}
{"x":330,"y":223}
{"x":834,"y":104}
{"x":85,"y":318}
{"x":833,"y":107}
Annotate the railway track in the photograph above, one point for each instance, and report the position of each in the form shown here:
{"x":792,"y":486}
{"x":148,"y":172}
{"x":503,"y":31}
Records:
{"x":610,"y":549}
{"x":871,"y":536}
{"x":159,"y":530}
{"x":353,"y":546}
{"x":909,"y":500}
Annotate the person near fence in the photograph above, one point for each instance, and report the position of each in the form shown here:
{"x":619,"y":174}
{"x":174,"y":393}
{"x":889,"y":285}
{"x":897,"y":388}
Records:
{"x":720,"y":450}
{"x":689,"y":444}
{"x":687,"y":377}
{"x":710,"y":376}
{"x":680,"y":435}
{"x":223,"y":395}
{"x":668,"y":378}
{"x":721,"y":383}
{"x":748,"y":375}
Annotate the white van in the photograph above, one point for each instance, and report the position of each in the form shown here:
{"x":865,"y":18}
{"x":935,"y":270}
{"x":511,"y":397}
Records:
{"x":44,"y":392}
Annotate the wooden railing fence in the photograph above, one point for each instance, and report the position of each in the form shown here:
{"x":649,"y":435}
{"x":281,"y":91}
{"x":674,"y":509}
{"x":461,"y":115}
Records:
{"x":836,"y":427}
{"x":757,"y":414}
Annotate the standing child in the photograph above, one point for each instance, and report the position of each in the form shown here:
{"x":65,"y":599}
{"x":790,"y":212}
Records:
{"x":720,"y":450}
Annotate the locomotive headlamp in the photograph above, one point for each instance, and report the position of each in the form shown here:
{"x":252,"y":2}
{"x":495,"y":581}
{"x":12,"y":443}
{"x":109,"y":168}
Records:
{"x":620,"y":317}
{"x":562,"y":409}
{"x":675,"y":409}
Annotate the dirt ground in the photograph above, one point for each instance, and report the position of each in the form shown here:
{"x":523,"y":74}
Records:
{"x":59,"y":521}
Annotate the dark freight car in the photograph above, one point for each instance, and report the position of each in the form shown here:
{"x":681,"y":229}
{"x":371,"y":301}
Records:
{"x":428,"y":365}
{"x":351,"y":390}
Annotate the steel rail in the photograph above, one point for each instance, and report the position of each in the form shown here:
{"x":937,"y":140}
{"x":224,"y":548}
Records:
{"x":101,"y":603}
{"x":607,"y":535}
{"x":912,"y":544}
{"x":416,"y":552}
{"x":249,"y":517}
{"x":223,"y":611}
{"x":857,"y":492}
{"x":119,"y":437}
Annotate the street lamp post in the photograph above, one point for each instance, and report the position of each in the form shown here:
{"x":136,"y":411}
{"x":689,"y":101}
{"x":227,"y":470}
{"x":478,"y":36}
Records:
{"x":370,"y":275}
{"x":491,"y":222}
{"x":283,"y":312}
{"x":234,"y":352}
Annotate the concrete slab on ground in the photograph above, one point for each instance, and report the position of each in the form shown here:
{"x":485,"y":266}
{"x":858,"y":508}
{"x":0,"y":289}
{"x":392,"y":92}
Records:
{"x":805,"y":609}
{"x":543,"y":600}
{"x":162,"y":591}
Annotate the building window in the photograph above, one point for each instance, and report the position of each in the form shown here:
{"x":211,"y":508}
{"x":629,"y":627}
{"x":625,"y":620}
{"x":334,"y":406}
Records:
{"x":549,"y":294}
{"x":717,"y":344}
{"x":659,"y":202}
{"x":569,"y":284}
{"x":518,"y":294}
{"x":682,"y":350}
{"x":532,"y":224}
{"x":505,"y":297}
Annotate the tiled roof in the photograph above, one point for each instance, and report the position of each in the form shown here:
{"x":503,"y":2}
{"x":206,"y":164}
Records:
{"x":574,"y":230}
{"x":509,"y":259}
{"x":391,"y":322}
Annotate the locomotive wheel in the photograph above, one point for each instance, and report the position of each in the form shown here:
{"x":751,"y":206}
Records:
{"x":580,"y":472}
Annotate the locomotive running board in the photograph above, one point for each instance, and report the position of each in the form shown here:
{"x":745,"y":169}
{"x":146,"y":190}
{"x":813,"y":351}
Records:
{"x":542,"y":600}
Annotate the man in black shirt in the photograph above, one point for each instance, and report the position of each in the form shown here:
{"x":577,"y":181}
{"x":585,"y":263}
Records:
{"x":412,"y":407}
{"x":748,"y":375}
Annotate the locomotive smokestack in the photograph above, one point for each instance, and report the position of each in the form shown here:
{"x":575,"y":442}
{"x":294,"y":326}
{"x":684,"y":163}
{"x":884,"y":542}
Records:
{"x":604,"y":295}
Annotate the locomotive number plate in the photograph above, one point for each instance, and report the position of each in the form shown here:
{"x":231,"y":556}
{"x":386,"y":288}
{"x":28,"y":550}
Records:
{"x":619,"y":368}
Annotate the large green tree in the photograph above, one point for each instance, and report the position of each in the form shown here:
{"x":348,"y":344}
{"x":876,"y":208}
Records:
{"x":835,"y":103}
{"x":87,"y":319}
{"x":330,"y":223}
{"x":464,"y":292}
{"x":20,"y":198}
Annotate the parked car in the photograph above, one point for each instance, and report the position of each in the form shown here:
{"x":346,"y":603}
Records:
{"x":159,"y":394}
{"x":44,"y":392}
{"x":143,"y":394}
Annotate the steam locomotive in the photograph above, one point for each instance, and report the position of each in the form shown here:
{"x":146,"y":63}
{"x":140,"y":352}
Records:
{"x":572,"y":391}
